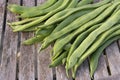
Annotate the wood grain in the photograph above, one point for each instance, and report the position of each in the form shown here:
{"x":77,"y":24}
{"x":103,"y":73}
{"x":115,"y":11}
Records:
{"x":113,"y":77}
{"x":27,"y":54}
{"x":101,"y":69}
{"x":61,"y":74}
{"x":44,"y":72}
{"x":113,"y":56}
{"x":2,"y":10}
{"x":83,"y":72}
{"x":8,"y":63}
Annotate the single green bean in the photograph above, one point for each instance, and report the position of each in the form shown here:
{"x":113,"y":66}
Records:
{"x":22,"y":21}
{"x":17,"y":8}
{"x":33,"y":40}
{"x":96,"y":44}
{"x":64,"y":4}
{"x":84,"y":2}
{"x":74,"y":25}
{"x":90,"y":39}
{"x":73,"y":4}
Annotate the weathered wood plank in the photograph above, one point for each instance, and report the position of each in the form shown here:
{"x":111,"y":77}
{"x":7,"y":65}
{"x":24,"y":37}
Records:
{"x":44,"y":72}
{"x":2,"y":10}
{"x":83,"y":72}
{"x":113,"y":56}
{"x":61,"y":74}
{"x":8,"y":63}
{"x":101,"y":69}
{"x":113,"y":77}
{"x":27,"y":54}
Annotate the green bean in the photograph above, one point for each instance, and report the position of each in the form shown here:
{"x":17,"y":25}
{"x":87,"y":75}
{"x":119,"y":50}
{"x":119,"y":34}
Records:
{"x":36,"y":12}
{"x":59,"y":45}
{"x":17,"y":8}
{"x":84,"y":45}
{"x":94,"y":57}
{"x":73,"y":4}
{"x":74,"y":25}
{"x":58,"y":61}
{"x":23,"y":21}
{"x":56,"y":18}
{"x":96,"y":44}
{"x":117,"y":9}
{"x":64,"y":4}
{"x":64,"y":60}
{"x":70,"y":19}
{"x":33,"y":40}
{"x":84,"y":2}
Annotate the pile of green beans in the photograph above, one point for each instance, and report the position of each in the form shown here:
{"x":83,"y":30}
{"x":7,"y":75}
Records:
{"x":78,"y":29}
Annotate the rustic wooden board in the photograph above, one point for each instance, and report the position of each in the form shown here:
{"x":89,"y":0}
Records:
{"x":113,"y":77}
{"x":113,"y":56}
{"x":26,"y":59}
{"x":83,"y":72}
{"x":2,"y":10}
{"x":44,"y":72}
{"x":101,"y":69}
{"x":61,"y":74}
{"x":8,"y":63}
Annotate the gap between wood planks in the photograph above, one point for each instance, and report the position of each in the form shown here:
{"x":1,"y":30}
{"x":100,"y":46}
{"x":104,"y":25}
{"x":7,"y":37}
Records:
{"x":3,"y":25}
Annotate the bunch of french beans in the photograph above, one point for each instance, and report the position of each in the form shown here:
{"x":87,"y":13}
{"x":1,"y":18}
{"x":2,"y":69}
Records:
{"x":78,"y":29}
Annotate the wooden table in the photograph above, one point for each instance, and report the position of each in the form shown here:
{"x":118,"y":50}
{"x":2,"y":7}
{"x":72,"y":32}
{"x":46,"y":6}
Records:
{"x":19,"y":62}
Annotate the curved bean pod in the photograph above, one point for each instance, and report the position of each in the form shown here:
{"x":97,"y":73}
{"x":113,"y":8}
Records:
{"x":84,"y":2}
{"x":73,"y":4}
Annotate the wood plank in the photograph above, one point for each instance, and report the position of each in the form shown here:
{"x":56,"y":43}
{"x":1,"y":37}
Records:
{"x":113,"y":77}
{"x":61,"y":74}
{"x":83,"y":72}
{"x":113,"y":56}
{"x":26,"y":59}
{"x":2,"y":10}
{"x":101,"y":69}
{"x":8,"y":63}
{"x":44,"y":72}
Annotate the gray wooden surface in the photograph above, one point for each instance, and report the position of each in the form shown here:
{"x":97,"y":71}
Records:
{"x":19,"y":62}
